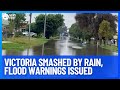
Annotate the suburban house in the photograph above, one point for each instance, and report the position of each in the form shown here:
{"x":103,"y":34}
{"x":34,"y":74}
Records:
{"x":5,"y":25}
{"x":5,"y":28}
{"x":23,"y":26}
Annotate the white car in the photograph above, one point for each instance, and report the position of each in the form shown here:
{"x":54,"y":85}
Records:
{"x":31,"y":34}
{"x":25,"y":33}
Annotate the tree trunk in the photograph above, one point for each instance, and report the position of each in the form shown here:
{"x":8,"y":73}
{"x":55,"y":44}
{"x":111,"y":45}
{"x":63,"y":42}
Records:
{"x":117,"y":42}
{"x":100,"y":41}
{"x":14,"y":33}
{"x":95,"y":42}
{"x":104,"y":42}
{"x":89,"y":41}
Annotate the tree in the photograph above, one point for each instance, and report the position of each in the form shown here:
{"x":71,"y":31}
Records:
{"x":32,"y":28}
{"x":83,"y":34}
{"x":87,"y":34}
{"x":19,"y":19}
{"x":91,"y":22}
{"x":53,"y":22}
{"x":11,"y":22}
{"x":15,"y":21}
{"x":105,"y":30}
{"x":75,"y":31}
{"x":85,"y":19}
{"x":86,"y":24}
{"x":62,"y":29}
{"x":108,"y":17}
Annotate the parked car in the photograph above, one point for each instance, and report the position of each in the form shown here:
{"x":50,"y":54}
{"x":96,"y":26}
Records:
{"x":25,"y":33}
{"x":32,"y":34}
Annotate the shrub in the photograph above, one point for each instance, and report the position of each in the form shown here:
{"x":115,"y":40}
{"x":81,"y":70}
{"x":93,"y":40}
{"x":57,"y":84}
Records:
{"x":18,"y":34}
{"x":56,"y":37}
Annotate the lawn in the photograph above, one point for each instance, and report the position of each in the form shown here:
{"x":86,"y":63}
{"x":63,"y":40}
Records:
{"x":20,"y":43}
{"x":112,"y":47}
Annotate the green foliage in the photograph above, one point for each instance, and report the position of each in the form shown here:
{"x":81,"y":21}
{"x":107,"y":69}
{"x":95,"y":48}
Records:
{"x":105,"y":30}
{"x":110,"y":47}
{"x":11,"y":27}
{"x":33,"y":28}
{"x":53,"y":38}
{"x":74,"y":31}
{"x":18,"y":34}
{"x":85,"y":19}
{"x":41,"y":35}
{"x":21,"y":43}
{"x":62,"y":29}
{"x":11,"y":46}
{"x":93,"y":20}
{"x":16,"y":23}
{"x":19,"y":19}
{"x":53,"y":22}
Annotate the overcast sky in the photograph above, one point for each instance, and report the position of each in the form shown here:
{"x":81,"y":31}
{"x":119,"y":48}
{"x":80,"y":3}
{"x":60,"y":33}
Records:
{"x":68,"y":17}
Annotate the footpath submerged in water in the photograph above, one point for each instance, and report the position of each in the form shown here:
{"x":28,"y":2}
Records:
{"x":54,"y":48}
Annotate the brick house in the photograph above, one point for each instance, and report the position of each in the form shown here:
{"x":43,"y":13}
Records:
{"x":5,"y":28}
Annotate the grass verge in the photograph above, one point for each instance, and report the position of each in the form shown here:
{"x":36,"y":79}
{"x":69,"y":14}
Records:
{"x":110,"y":47}
{"x":20,"y":43}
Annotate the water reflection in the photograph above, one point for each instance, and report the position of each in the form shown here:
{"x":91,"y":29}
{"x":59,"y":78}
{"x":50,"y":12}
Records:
{"x":61,"y":47}
{"x":43,"y":49}
{"x":3,"y":52}
{"x":27,"y":52}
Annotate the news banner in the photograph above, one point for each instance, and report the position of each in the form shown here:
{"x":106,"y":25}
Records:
{"x":59,"y":45}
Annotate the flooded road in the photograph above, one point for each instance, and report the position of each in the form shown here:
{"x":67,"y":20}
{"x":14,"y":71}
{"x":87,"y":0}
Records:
{"x":61,"y":47}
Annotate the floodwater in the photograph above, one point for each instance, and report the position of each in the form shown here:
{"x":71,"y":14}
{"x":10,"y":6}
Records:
{"x":61,"y":47}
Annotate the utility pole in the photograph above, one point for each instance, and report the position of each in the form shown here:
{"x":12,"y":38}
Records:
{"x":29,"y":25}
{"x":45,"y":25}
{"x":29,"y":32}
